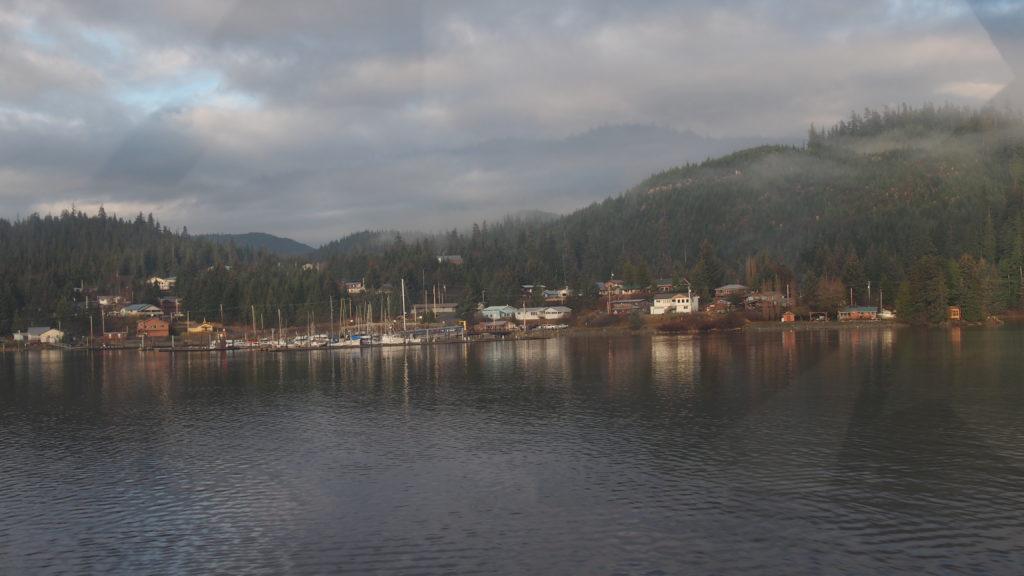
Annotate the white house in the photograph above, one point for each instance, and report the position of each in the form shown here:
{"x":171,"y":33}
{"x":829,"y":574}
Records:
{"x":164,"y":284}
{"x":43,"y":334}
{"x":51,"y":336}
{"x":559,"y":295}
{"x":108,"y":300}
{"x":675,"y":304}
{"x":544,"y":313}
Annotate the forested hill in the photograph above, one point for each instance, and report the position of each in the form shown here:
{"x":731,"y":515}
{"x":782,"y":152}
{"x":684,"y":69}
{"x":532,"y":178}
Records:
{"x":263,"y":241}
{"x":53,"y":269}
{"x":865,"y":200}
{"x":893,"y":185}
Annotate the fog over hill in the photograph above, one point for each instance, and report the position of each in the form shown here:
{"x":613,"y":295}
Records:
{"x":313,"y":120}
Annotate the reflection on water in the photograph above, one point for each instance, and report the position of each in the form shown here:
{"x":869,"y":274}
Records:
{"x":849,"y":451}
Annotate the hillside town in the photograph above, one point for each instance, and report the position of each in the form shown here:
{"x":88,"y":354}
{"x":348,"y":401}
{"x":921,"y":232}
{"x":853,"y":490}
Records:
{"x":166,"y":321}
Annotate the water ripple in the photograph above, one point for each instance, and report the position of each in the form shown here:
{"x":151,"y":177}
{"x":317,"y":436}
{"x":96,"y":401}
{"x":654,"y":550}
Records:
{"x":730,"y":455}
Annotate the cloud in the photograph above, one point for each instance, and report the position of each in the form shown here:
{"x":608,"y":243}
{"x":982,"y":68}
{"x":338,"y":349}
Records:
{"x":317,"y":119}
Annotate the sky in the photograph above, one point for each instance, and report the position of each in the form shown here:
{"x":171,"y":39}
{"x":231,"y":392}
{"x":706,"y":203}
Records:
{"x":316,"y":119}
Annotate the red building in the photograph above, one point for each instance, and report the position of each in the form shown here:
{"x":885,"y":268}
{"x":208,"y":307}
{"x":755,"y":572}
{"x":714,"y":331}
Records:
{"x":153,"y":328}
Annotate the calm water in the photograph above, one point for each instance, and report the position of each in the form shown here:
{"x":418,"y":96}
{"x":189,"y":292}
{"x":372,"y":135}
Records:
{"x":844,"y":452}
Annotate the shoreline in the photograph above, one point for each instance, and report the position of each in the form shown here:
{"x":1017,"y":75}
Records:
{"x":760,"y":326}
{"x":834,"y":325}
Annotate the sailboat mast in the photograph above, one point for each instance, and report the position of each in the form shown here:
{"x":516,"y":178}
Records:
{"x":404,"y":328}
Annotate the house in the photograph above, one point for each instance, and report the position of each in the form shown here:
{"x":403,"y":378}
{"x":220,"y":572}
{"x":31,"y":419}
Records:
{"x":858,"y":313}
{"x":354,"y":287}
{"x":153,"y":328}
{"x":495,"y":327}
{"x":557,"y":312}
{"x":718,"y":306}
{"x":32,"y":334}
{"x":664,"y":285}
{"x":449,"y":259}
{"x":204,"y":328}
{"x":171,"y":306}
{"x":52,"y":336}
{"x":115,"y":336}
{"x":557,"y":296}
{"x":543,"y":313}
{"x":108,"y":300}
{"x":675,"y":304}
{"x":789,"y":317}
{"x":628,"y":306}
{"x":954,"y":312}
{"x":499,"y":312}
{"x":164,"y":284}
{"x":731,"y":291}
{"x":766,"y":300}
{"x":141,"y":310}
{"x":527,"y":289}
{"x":612,"y":287}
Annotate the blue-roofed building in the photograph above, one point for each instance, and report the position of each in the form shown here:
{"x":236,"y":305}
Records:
{"x":499,"y":312}
{"x":141,"y":310}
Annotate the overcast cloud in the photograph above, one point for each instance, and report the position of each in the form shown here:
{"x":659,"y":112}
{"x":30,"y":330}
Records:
{"x":314,"y":120}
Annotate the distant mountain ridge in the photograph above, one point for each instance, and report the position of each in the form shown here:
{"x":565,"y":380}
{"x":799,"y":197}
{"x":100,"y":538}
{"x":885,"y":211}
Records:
{"x":263,"y":241}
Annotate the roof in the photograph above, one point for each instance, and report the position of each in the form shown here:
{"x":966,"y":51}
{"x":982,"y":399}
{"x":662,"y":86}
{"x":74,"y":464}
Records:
{"x":37,"y":330}
{"x":140,"y":308}
{"x":629,"y":301}
{"x":502,"y":307}
{"x":548,"y":308}
{"x":732,"y":287}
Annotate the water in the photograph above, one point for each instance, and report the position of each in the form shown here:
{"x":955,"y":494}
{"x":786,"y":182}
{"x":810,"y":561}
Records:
{"x":822,"y":452}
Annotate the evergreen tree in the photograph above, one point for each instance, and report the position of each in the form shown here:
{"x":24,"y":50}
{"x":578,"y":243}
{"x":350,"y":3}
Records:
{"x":924,"y":300}
{"x":708,"y":273}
